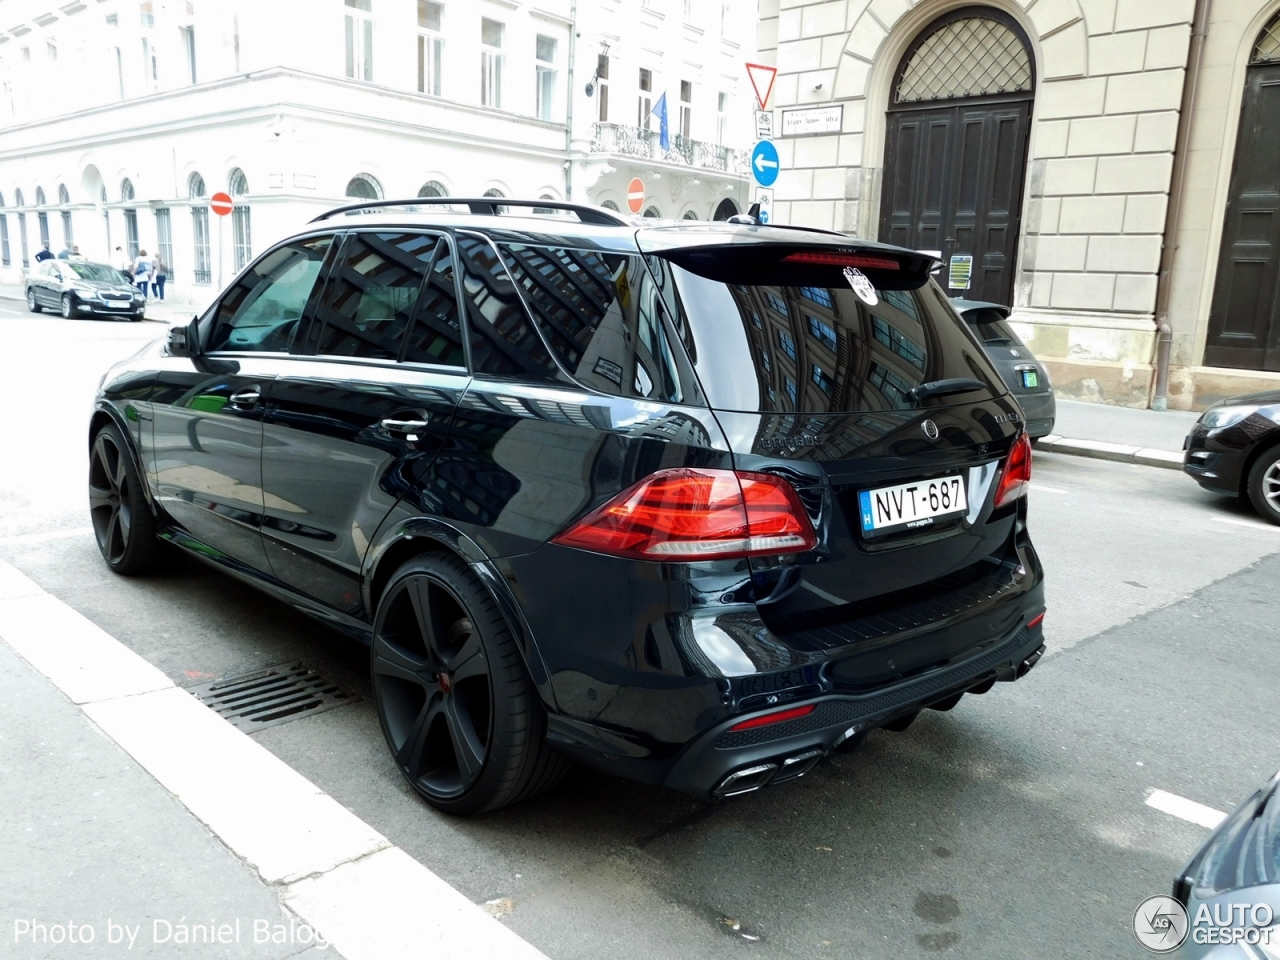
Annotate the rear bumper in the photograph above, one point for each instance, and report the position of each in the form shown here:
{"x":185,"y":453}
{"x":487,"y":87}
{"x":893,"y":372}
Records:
{"x":712,"y":765}
{"x":1040,"y":410}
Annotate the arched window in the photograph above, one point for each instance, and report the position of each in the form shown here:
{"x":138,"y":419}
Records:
{"x":1268,"y":46}
{"x":40,"y":200}
{"x":126,"y":190}
{"x":64,"y":200}
{"x":494,"y":192}
{"x":965,"y":56}
{"x":546,"y":210}
{"x":4,"y":235}
{"x":689,"y":215}
{"x":432,"y":189}
{"x":725,"y":210}
{"x":364,"y":187}
{"x":130,"y":220}
{"x":42,"y":218}
{"x":103,"y":198}
{"x":64,"y":197}
{"x":241,"y":238}
{"x":609,"y":205}
{"x":19,"y":201}
{"x":17,"y":197}
{"x":203,"y":270}
{"x":653,"y":213}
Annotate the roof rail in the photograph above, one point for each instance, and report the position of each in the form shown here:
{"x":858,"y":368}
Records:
{"x":487,"y":206}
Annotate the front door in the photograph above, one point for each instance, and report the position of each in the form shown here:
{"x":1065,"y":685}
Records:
{"x":953,"y":184}
{"x":1244,"y":320}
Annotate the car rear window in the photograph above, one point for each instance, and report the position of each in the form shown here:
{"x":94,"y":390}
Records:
{"x":991,"y":328}
{"x":768,"y":335}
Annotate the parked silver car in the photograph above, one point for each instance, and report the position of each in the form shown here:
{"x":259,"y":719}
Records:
{"x":1024,"y":375}
{"x":77,"y":288}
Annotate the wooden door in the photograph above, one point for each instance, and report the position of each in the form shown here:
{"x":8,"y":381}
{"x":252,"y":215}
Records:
{"x":1244,"y":319}
{"x":953,"y":183}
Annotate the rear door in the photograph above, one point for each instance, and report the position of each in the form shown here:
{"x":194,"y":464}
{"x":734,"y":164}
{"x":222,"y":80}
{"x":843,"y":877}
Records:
{"x":815,"y":374}
{"x":361,"y":409}
{"x":207,"y":428}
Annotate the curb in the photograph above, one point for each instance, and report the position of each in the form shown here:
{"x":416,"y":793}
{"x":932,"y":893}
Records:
{"x":1119,"y":452}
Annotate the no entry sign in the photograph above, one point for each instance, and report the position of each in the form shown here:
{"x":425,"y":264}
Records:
{"x":220,"y":203}
{"x":635,"y":195}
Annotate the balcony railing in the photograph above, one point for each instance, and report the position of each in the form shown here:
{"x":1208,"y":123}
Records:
{"x":645,"y":144}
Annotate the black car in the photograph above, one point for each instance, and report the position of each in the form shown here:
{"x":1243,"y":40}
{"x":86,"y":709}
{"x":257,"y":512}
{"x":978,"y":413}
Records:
{"x":694,"y":504}
{"x":1025,"y":376}
{"x":77,"y":288}
{"x":1234,"y":449}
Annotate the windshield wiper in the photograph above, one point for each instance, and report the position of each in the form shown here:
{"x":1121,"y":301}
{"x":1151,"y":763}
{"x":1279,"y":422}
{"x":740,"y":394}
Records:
{"x":944,"y":388}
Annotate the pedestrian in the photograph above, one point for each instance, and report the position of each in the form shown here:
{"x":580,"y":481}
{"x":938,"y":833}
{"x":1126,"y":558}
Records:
{"x":64,"y":253}
{"x":75,"y":253}
{"x":124,"y":264}
{"x":142,"y":271}
{"x":45,"y":253}
{"x":159,"y":273}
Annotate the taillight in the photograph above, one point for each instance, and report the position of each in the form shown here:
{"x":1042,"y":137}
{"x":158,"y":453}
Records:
{"x":697,"y":514}
{"x":824,"y":258}
{"x":780,"y":716}
{"x":1017,"y":472}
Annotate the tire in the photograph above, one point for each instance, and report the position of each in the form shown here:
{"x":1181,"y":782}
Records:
{"x":123,"y":523}
{"x":32,"y":305}
{"x":1264,"y":485}
{"x":68,"y":308}
{"x":460,"y":713}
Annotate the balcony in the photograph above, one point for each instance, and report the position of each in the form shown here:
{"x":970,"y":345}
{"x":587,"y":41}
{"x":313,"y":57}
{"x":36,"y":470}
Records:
{"x":644,"y":144}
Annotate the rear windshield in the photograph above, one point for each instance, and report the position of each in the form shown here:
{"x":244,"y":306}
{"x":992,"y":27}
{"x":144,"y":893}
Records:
{"x":782,"y":338}
{"x":991,"y":328}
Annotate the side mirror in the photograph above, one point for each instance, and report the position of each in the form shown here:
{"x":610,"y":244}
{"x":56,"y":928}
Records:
{"x":181,"y":341}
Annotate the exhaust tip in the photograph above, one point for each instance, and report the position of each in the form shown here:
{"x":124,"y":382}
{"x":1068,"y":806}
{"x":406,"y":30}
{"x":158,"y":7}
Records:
{"x":746,"y":780}
{"x":793,"y":768}
{"x":1025,"y":667}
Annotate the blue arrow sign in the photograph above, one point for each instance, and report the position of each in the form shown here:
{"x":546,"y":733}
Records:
{"x":764,"y":163}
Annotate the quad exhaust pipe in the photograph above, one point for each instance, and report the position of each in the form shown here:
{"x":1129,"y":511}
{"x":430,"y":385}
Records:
{"x":1025,"y":667}
{"x":752,"y":778}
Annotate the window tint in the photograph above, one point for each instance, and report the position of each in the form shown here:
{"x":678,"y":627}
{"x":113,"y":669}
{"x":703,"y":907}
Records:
{"x":372,"y":293}
{"x":263,"y":310}
{"x":603,"y":319}
{"x":784,"y":339}
{"x":503,"y":341}
{"x":436,"y":334}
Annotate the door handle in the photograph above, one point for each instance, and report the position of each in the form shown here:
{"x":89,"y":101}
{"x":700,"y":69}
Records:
{"x":247,"y":397}
{"x":394,"y":425}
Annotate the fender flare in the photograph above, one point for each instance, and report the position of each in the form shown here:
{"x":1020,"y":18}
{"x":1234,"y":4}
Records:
{"x":429,"y":533}
{"x":104,"y":410}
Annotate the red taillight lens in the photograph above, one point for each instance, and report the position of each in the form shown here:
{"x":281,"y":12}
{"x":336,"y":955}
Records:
{"x":782,"y":715}
{"x":1035,"y":622}
{"x":1017,"y":472}
{"x":824,"y":259}
{"x":697,"y":514}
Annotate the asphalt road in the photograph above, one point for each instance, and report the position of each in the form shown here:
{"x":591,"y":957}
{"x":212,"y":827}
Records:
{"x":1013,"y":826}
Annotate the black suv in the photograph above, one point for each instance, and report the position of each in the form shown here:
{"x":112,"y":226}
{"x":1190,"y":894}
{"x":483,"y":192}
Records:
{"x":694,"y":504}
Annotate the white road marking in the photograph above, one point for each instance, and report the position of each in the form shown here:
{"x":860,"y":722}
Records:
{"x":1185,"y":809}
{"x":48,"y":535}
{"x":368,"y":898}
{"x":1041,"y":488}
{"x":1251,"y":524}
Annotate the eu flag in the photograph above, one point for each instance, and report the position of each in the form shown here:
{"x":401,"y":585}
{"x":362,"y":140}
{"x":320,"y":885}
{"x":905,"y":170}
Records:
{"x":664,"y":132}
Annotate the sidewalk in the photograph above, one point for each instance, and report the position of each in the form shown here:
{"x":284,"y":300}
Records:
{"x":1105,"y":432}
{"x":172,"y":310}
{"x":137,"y":821}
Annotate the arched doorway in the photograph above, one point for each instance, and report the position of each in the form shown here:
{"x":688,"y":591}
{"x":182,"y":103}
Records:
{"x":1244,"y":319}
{"x":956,"y":148}
{"x":726,"y":209}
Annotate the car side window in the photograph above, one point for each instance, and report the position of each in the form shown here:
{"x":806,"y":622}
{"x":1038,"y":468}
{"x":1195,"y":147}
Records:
{"x":503,"y":340}
{"x":373,"y":294}
{"x":604,"y":320}
{"x":265,"y":307}
{"x":435,"y":335}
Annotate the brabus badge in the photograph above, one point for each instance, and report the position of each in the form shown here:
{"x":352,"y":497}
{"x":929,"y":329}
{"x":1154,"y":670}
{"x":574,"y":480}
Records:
{"x":930,"y":429}
{"x":861,"y":285}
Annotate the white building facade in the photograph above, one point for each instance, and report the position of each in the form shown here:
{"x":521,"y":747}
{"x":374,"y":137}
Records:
{"x":119,"y":119}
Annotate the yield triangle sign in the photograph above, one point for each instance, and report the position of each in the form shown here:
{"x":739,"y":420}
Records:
{"x":762,"y":78}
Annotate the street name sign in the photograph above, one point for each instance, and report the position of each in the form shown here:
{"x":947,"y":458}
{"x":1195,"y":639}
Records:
{"x":764,"y":163}
{"x":635,"y":195}
{"x":799,"y":123}
{"x":220,"y":203}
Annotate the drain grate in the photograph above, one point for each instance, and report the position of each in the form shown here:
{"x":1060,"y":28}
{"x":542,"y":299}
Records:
{"x":270,"y":696}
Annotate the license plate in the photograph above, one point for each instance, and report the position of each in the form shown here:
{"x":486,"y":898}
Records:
{"x":911,"y":505}
{"x":117,"y":306}
{"x":1030,"y":379}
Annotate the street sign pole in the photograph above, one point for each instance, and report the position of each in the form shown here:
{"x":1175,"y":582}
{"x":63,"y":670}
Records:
{"x":220,"y":253}
{"x":222,"y":205}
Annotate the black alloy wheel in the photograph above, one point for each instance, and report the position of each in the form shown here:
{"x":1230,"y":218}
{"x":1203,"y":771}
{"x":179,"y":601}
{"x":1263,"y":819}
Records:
{"x":122,"y":520}
{"x":1264,"y":485}
{"x":32,"y":305}
{"x":68,"y":307}
{"x":458,"y":709}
